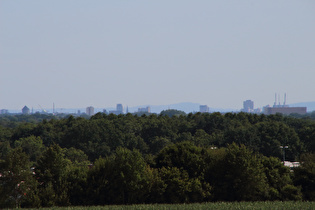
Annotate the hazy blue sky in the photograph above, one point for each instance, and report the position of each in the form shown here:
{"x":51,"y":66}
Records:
{"x":78,"y":53}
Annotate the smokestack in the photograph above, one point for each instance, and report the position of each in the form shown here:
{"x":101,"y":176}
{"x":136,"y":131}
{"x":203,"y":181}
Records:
{"x":279,"y":99}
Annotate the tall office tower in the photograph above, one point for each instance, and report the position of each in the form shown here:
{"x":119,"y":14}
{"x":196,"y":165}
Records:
{"x":248,"y":106}
{"x":119,"y":109}
{"x":90,"y":110}
{"x":204,"y":108}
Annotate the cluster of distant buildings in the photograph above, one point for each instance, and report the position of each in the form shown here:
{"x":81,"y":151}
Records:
{"x":88,"y":111}
{"x":119,"y":110}
{"x":283,"y":108}
{"x":248,"y":107}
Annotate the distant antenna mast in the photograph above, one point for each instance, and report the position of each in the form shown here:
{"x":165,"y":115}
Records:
{"x":275,"y":99}
{"x":285,"y":99}
{"x":53,"y":108}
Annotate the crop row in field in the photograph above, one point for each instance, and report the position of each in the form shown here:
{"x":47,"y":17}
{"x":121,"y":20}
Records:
{"x":217,"y":205}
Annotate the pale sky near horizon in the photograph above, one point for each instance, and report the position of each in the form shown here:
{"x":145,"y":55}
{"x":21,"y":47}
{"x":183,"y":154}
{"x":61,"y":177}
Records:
{"x":77,"y":53}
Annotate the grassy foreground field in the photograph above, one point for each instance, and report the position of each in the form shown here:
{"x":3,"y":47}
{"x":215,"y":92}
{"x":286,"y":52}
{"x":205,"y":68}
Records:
{"x":219,"y":205}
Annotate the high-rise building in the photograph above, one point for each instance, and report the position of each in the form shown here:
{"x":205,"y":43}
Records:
{"x":119,"y":109}
{"x":25,"y":110}
{"x":248,"y":106}
{"x":90,"y":110}
{"x":204,"y":108}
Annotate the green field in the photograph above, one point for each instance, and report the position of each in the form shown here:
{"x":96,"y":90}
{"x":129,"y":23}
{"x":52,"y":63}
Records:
{"x":218,"y":205}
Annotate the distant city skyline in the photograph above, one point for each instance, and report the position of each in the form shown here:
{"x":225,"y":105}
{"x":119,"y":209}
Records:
{"x":79,"y":53}
{"x":38,"y":107}
{"x":185,"y":106}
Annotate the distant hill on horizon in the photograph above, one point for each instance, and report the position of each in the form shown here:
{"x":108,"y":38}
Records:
{"x":309,"y":105}
{"x":187,"y":107}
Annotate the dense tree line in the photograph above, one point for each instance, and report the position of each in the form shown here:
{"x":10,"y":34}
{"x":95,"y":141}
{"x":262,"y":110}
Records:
{"x":166,"y":158}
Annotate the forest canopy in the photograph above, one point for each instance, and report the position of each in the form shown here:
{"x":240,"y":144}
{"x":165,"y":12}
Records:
{"x":166,"y":158}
